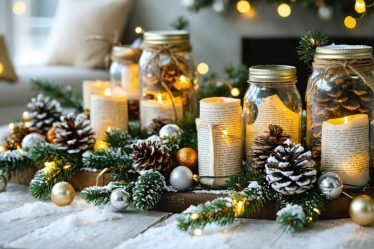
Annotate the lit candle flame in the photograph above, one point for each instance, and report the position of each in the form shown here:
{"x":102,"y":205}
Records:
{"x":107,"y":92}
{"x":159,"y":98}
{"x":346,"y":120}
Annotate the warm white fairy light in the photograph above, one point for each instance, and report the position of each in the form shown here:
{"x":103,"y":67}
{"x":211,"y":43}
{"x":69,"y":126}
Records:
{"x":350,"y":22}
{"x":139,"y":30}
{"x":197,"y":232}
{"x":1,"y":68}
{"x":202,"y":68}
{"x":26,"y":115}
{"x":19,"y":8}
{"x":195,"y":216}
{"x":284,"y":10}
{"x":11,"y":126}
{"x":107,"y":92}
{"x":235,"y":92}
{"x":243,"y":6}
{"x":360,"y":6}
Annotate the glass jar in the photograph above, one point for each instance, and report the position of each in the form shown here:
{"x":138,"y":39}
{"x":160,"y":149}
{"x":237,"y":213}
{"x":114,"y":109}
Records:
{"x":124,"y":76}
{"x":340,"y":108}
{"x":271,"y":99}
{"x":168,"y":78}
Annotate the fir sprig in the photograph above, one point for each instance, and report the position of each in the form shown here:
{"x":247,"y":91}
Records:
{"x":180,"y":23}
{"x":61,"y":93}
{"x":292,"y":218}
{"x":44,"y":152}
{"x":148,"y":189}
{"x":309,"y":43}
{"x":98,"y":195}
{"x":15,"y":161}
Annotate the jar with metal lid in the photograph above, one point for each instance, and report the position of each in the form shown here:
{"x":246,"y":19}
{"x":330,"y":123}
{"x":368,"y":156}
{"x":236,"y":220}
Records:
{"x":168,"y":78}
{"x":340,"y":111}
{"x":271,"y":99}
{"x":124,"y":76}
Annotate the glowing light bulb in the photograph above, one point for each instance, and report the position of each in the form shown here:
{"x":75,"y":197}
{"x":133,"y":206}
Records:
{"x":1,"y":68}
{"x":2,"y":148}
{"x":26,"y":115}
{"x":159,"y":98}
{"x":27,"y":124}
{"x":139,"y":30}
{"x":284,"y":10}
{"x":202,"y":68}
{"x":235,"y":92}
{"x":11,"y":126}
{"x":243,"y":6}
{"x":183,"y":78}
{"x":225,"y":132}
{"x":49,"y":164}
{"x":350,"y":22}
{"x":360,"y":6}
{"x":197,"y":232}
{"x":100,"y":145}
{"x":107,"y":91}
{"x":346,"y":120}
{"x":194,"y":216}
{"x":19,"y":8}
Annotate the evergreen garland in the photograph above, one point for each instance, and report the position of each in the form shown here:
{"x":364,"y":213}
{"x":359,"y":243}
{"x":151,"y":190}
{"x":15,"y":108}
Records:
{"x":15,"y":161}
{"x":98,"y":195}
{"x":61,"y":93}
{"x":180,"y":23}
{"x":148,"y":189}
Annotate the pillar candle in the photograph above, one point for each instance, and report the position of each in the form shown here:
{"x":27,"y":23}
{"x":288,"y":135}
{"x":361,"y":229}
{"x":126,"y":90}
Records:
{"x":220,"y":135}
{"x":108,"y":111}
{"x":345,"y":148}
{"x":90,"y":88}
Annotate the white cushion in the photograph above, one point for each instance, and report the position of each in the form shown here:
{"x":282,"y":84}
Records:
{"x":75,"y":21}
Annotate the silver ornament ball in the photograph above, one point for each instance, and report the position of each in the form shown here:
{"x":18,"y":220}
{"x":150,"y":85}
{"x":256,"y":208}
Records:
{"x":120,"y":199}
{"x":331,"y":185}
{"x":170,"y":131}
{"x":181,"y":178}
{"x":31,"y":140}
{"x":3,"y":183}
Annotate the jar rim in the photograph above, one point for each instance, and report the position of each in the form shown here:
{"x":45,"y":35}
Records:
{"x":126,"y":52}
{"x":344,"y":51}
{"x":272,"y":74}
{"x":166,"y":37}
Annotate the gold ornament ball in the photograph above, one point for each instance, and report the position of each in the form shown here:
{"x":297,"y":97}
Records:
{"x":187,"y":157}
{"x":361,"y":210}
{"x":62,"y":194}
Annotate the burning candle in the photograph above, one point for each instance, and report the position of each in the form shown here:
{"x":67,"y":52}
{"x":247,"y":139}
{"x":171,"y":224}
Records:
{"x":90,"y":88}
{"x":108,"y":111}
{"x":345,"y":148}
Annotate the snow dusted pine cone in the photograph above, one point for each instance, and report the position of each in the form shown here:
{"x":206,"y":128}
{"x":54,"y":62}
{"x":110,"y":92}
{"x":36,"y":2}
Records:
{"x":264,"y":144}
{"x":74,"y":133}
{"x":151,"y":154}
{"x":14,"y":139}
{"x":290,"y":170}
{"x":43,"y":113}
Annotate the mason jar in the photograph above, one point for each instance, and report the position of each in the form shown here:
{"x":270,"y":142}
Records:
{"x":271,"y":99}
{"x":124,"y":76}
{"x":340,"y":108}
{"x":168,"y":78}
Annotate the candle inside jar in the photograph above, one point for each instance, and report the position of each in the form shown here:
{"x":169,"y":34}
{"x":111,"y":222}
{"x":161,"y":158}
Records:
{"x":345,"y":148}
{"x":161,"y":107}
{"x":90,"y":88}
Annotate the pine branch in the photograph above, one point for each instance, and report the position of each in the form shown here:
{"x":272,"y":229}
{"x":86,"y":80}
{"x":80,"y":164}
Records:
{"x":15,"y":161}
{"x":309,"y":43}
{"x":61,"y":93}
{"x":238,"y":183}
{"x":180,"y":23}
{"x":189,"y":134}
{"x":135,"y":131}
{"x":97,"y":195}
{"x":44,"y":152}
{"x":292,"y":218}
{"x":119,"y":139}
{"x":148,"y":189}
{"x":44,"y":180}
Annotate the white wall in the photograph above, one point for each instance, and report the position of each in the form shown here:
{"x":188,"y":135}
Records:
{"x":216,"y":39}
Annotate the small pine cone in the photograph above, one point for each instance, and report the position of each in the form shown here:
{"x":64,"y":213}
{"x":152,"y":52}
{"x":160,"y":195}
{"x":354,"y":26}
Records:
{"x":264,"y":144}
{"x":74,"y":134}
{"x":157,"y":124}
{"x":290,"y":170}
{"x":43,"y":114}
{"x":14,"y":138}
{"x":151,"y":154}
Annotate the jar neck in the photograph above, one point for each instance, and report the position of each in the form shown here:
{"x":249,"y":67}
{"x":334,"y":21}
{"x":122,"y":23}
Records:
{"x":274,"y":84}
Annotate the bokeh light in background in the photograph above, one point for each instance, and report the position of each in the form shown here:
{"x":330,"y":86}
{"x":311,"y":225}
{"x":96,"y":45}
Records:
{"x":1,"y":68}
{"x":350,"y":22}
{"x":202,"y":68}
{"x":19,"y":8}
{"x":284,"y":10}
{"x":243,"y":6}
{"x":139,"y":30}
{"x":360,"y":6}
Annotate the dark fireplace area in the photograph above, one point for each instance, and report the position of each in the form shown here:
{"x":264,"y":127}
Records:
{"x":259,"y":51}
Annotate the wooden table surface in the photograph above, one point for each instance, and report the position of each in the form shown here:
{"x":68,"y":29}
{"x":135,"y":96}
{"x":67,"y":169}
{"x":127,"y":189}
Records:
{"x":27,"y":223}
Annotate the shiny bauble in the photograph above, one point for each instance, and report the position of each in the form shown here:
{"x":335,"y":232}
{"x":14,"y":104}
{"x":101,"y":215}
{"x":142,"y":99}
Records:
{"x":51,"y":135}
{"x":361,"y":210}
{"x":181,"y":178}
{"x":170,"y":132}
{"x":31,"y":140}
{"x":62,"y":194}
{"x":187,"y":157}
{"x":331,"y":185}
{"x":120,"y":199}
{"x":3,"y":183}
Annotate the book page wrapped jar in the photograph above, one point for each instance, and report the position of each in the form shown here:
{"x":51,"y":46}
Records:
{"x":272,"y":99}
{"x":124,"y":76}
{"x":340,"y":111}
{"x":167,"y":77}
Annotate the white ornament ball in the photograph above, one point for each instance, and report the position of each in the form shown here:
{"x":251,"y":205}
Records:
{"x":3,"y":183}
{"x":31,"y":140}
{"x":170,"y":131}
{"x":181,"y":178}
{"x":120,"y":199}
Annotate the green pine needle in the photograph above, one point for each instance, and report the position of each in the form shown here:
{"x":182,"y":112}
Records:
{"x":44,"y":152}
{"x":292,"y":218}
{"x":180,"y":23}
{"x":148,"y":189}
{"x":309,"y":43}
{"x":15,"y":161}
{"x":98,"y":195}
{"x":61,"y":93}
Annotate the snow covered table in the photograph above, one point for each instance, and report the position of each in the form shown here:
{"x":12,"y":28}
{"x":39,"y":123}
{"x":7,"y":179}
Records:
{"x":26,"y":223}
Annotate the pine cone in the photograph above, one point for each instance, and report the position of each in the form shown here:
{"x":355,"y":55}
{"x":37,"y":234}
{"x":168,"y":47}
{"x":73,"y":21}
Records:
{"x":157,"y":124}
{"x":43,"y":114}
{"x":14,"y":138}
{"x":264,"y":144}
{"x":151,"y":154}
{"x":74,"y":134}
{"x":290,"y":170}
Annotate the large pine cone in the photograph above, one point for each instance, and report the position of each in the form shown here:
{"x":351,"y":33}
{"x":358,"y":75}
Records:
{"x":74,"y":134}
{"x":290,"y":170}
{"x":264,"y":145}
{"x":43,"y":113}
{"x":14,"y":139}
{"x":151,"y":154}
